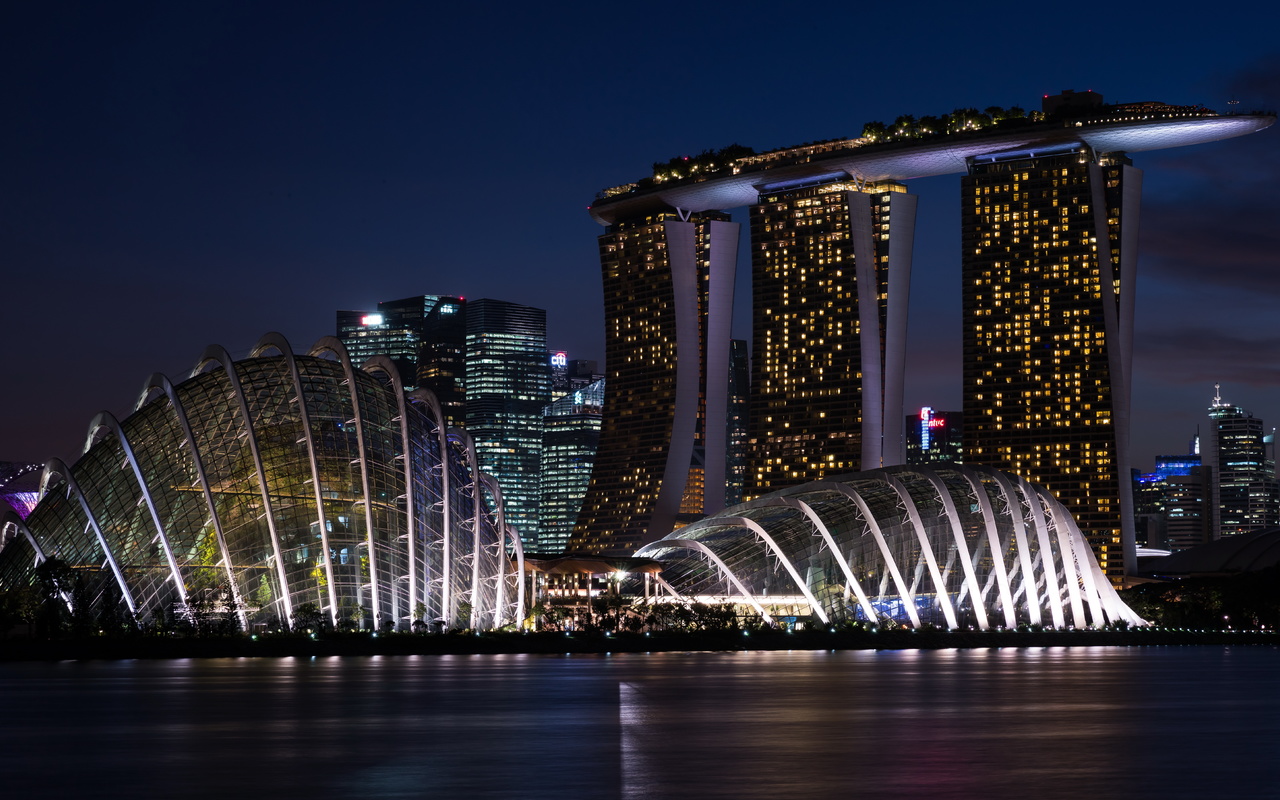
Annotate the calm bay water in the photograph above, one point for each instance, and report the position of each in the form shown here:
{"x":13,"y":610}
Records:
{"x":1188,"y":722}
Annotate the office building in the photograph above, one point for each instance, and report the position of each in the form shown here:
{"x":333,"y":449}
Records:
{"x":424,"y":337}
{"x":1173,"y":506}
{"x":935,"y":436}
{"x":570,"y":438}
{"x":1246,"y":496}
{"x":442,"y":356}
{"x":831,"y":270}
{"x":508,"y":382}
{"x":571,"y":374}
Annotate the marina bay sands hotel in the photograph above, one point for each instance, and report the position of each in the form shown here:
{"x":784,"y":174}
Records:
{"x":1049,"y":209}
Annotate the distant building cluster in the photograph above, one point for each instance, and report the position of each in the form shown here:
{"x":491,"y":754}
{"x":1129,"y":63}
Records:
{"x":488,"y":364}
{"x":1225,"y":486}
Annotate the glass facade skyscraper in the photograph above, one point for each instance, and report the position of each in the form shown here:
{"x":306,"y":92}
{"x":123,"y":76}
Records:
{"x":1245,"y":492}
{"x":570,"y":438}
{"x":508,"y":382}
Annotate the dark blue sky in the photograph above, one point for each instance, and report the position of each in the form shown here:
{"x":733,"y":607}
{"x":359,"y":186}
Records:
{"x":176,"y":174}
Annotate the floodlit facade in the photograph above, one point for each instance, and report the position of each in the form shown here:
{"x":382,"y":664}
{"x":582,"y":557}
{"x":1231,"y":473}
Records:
{"x":273,"y":483}
{"x":830,"y":274}
{"x":1048,"y":275}
{"x":952,"y":546}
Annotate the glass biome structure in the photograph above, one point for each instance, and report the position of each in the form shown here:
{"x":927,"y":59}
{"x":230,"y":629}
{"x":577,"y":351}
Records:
{"x":952,"y":546}
{"x":276,"y":482}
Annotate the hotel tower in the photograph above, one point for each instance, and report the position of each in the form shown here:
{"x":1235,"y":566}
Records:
{"x":1050,"y":207}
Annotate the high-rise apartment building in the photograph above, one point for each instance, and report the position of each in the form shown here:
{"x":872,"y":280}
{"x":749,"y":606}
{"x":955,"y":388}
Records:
{"x":935,"y":436}
{"x":570,"y":438}
{"x":668,"y":294}
{"x":508,"y":383}
{"x":1246,"y":496}
{"x":1047,"y":272}
{"x":831,"y":271}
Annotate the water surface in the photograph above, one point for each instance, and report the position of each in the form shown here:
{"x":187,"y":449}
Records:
{"x":1172,"y":722}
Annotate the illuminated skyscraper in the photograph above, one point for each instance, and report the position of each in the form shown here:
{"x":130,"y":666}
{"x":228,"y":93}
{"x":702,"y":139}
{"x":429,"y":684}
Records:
{"x":668,"y":294}
{"x":1245,"y":494}
{"x":423,"y":336}
{"x":570,"y":438}
{"x":831,"y":270}
{"x":442,"y":356}
{"x":935,"y":436}
{"x":1047,"y":271}
{"x":508,"y":384}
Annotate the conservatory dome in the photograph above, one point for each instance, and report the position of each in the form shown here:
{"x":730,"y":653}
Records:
{"x":952,"y":546}
{"x":276,"y":483}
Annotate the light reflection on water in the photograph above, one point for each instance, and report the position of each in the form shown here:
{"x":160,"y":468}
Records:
{"x":1050,"y":722}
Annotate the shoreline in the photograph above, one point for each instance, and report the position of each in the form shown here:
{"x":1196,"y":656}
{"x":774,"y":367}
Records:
{"x":554,"y":643}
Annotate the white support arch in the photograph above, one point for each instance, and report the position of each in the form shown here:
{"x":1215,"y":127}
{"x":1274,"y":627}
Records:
{"x":1067,"y":557}
{"x":384,"y":365}
{"x":107,"y":420}
{"x":828,"y":539}
{"x":939,"y":583}
{"x":693,"y":544}
{"x":1014,"y":506}
{"x":1053,"y":592}
{"x":993,"y":542}
{"x":217,"y":355}
{"x":162,"y":383}
{"x":763,"y":535}
{"x":55,"y":466}
{"x":891,"y":565}
{"x":460,"y":438}
{"x":966,"y":560}
{"x":277,"y":342}
{"x":331,"y":344}
{"x":426,"y":397}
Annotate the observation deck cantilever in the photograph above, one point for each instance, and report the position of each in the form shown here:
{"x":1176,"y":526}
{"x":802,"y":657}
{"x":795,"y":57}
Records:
{"x":930,"y":157}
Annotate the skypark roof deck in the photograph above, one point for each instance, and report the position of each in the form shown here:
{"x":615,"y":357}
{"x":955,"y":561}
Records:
{"x":902,"y":160}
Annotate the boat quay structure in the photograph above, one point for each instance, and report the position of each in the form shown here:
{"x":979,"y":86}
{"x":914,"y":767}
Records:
{"x":1049,"y":256}
{"x":280,"y":489}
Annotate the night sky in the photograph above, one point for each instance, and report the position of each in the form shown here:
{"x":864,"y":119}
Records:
{"x":179,"y":174}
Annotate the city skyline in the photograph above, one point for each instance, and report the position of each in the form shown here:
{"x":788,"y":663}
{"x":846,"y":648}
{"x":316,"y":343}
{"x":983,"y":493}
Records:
{"x":130,"y":236}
